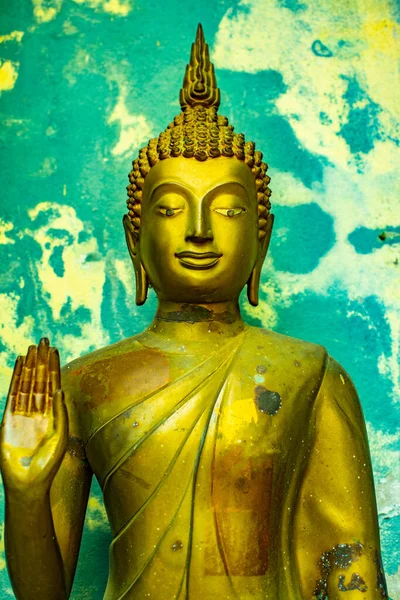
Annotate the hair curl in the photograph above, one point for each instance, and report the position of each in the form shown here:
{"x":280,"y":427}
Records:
{"x":198,"y":132}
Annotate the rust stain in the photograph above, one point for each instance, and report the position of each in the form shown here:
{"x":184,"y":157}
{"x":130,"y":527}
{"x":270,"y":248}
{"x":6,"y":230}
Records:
{"x":192,"y":313}
{"x":356,"y":583}
{"x":135,"y":373}
{"x":340,"y":557}
{"x":241,"y":500}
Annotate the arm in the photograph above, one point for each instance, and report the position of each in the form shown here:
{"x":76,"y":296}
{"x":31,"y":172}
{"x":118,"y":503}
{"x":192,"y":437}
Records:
{"x":336,"y":535}
{"x":46,"y":488}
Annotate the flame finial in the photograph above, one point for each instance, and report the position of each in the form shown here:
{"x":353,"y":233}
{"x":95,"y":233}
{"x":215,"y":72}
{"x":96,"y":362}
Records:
{"x":199,"y":83}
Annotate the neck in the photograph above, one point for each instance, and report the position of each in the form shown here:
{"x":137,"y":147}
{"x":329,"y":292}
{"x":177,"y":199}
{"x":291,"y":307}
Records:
{"x":197,"y":322}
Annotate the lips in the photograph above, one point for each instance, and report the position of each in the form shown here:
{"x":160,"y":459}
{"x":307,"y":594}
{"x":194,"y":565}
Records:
{"x":198,"y":260}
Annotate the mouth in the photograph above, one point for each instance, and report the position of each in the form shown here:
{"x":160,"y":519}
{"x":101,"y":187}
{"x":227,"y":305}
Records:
{"x":198,"y":261}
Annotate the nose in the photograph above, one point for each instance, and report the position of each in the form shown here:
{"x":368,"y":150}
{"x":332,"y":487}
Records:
{"x":199,"y":226}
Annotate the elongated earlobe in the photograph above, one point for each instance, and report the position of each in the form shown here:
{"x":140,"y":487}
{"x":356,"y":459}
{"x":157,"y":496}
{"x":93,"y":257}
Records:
{"x":142,"y":282}
{"x":253,"y":283}
{"x":142,"y":285}
{"x":253,"y":286}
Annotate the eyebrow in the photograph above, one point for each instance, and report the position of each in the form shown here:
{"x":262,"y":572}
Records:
{"x":190,"y":189}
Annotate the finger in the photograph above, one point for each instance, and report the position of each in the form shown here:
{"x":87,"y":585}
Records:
{"x":14,"y":386}
{"x":41,"y":376}
{"x":29,"y":365}
{"x":26,"y":380}
{"x":60,"y":416}
{"x":41,"y":366}
{"x":54,"y":371}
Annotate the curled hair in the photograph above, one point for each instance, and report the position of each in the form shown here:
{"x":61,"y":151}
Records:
{"x":198,"y":132}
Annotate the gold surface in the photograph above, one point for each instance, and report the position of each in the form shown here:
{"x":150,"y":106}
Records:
{"x":233,"y":460}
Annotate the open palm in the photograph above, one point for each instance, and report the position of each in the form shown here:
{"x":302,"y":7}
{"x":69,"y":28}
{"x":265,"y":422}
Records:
{"x":35,"y":424}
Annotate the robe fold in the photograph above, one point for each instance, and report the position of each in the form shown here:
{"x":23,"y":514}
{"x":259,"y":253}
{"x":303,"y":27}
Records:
{"x":243,"y":476}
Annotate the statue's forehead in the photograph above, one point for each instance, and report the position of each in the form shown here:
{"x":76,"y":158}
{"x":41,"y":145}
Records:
{"x":198,"y":176}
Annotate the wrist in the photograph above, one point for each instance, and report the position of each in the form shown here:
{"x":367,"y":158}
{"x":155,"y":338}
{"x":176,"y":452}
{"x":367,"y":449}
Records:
{"x":32,"y":494}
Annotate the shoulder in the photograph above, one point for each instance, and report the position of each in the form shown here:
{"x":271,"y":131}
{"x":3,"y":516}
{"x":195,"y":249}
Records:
{"x":288,"y":350}
{"x":118,"y":368}
{"x":290,"y":367}
{"x":337,"y":387}
{"x":88,"y":361}
{"x":89,"y":377}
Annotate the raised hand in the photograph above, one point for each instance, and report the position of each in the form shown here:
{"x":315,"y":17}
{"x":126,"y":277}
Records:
{"x":34,"y":430}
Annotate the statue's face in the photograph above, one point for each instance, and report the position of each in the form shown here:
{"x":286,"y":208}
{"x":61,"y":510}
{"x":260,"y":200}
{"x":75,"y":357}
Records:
{"x":199,"y":229}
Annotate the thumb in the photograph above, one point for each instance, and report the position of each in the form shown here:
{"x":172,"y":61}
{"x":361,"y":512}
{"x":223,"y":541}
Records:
{"x":60,"y":414}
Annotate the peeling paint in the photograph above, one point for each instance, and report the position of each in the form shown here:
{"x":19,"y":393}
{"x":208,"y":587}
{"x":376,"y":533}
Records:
{"x":14,"y":36}
{"x":134,"y":129}
{"x":119,"y":8}
{"x":8,"y":74}
{"x":46,"y":10}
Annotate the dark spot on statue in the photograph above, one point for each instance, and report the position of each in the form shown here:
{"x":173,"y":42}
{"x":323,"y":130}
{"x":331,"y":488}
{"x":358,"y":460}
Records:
{"x":242,"y":484}
{"x":340,"y":557}
{"x":320,"y":49}
{"x":26,"y":461}
{"x":356,"y":583}
{"x":177,"y":546}
{"x":381,"y":582}
{"x":261,"y":369}
{"x":135,"y":424}
{"x":297,"y":363}
{"x":267,"y":401}
{"x":192,"y":313}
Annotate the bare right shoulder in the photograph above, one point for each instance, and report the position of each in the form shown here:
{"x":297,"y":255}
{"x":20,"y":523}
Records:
{"x":104,"y":381}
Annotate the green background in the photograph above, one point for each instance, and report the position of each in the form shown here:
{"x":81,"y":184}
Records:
{"x":316,"y":84}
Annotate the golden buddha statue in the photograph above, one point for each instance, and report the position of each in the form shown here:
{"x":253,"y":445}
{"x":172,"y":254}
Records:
{"x":233,"y":460}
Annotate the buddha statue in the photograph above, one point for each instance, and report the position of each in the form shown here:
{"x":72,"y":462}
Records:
{"x":233,"y":460}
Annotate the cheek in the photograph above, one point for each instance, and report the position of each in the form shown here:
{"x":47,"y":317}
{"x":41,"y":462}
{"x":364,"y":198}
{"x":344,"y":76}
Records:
{"x":159,"y":241}
{"x":237,"y":238}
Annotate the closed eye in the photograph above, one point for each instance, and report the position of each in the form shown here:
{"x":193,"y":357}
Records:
{"x":230,"y":212}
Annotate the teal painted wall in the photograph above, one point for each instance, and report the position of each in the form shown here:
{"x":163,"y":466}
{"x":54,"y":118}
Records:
{"x":315,"y":83}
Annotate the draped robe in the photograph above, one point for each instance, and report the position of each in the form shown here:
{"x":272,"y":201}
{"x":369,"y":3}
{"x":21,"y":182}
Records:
{"x":243,"y":473}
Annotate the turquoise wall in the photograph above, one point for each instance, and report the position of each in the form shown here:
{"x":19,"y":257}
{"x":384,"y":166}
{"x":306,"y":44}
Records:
{"x":315,"y":83}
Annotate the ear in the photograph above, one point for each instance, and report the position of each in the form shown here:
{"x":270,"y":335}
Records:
{"x":254,"y":281}
{"x":132,"y":241}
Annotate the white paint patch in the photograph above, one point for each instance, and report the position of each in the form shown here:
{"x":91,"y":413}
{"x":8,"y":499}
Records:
{"x":266,"y":311}
{"x":96,"y":516}
{"x":69,"y":287}
{"x":14,"y":36}
{"x":4,"y":228}
{"x":386,"y":463}
{"x":15,"y":338}
{"x":8,"y":74}
{"x":134,"y":129}
{"x":80,"y":63}
{"x":69,"y":28}
{"x":393,"y":583}
{"x":126,"y":275}
{"x":119,"y":8}
{"x":46,"y":10}
{"x":252,"y":39}
{"x":49,"y":166}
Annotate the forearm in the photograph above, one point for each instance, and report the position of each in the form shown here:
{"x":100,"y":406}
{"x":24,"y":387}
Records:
{"x":33,"y":556}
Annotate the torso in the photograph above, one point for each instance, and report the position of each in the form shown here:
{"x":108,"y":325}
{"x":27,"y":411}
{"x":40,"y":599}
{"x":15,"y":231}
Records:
{"x":194,"y":449}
